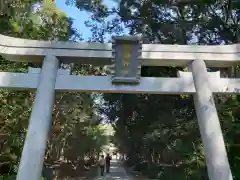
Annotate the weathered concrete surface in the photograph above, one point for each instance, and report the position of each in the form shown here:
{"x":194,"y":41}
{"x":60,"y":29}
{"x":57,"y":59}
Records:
{"x":213,"y":144}
{"x":40,"y":123}
{"x":65,"y":82}
{"x":16,"y":49}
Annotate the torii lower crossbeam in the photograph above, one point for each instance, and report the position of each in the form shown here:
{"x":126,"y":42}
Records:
{"x":103,"y":84}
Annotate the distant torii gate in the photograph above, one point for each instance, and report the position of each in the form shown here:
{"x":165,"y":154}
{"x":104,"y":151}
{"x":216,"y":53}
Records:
{"x":127,"y":55}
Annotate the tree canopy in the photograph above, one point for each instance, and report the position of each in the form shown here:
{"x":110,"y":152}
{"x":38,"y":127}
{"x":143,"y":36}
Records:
{"x":76,"y":138}
{"x":159,"y":133}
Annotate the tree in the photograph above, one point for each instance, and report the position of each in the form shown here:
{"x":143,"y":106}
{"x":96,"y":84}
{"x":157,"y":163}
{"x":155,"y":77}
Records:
{"x":159,"y":133}
{"x":73,"y":112}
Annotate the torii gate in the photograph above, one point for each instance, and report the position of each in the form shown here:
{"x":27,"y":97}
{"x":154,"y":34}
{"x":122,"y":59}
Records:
{"x":127,"y":55}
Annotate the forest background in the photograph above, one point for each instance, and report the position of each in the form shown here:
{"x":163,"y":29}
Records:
{"x":158,"y":133}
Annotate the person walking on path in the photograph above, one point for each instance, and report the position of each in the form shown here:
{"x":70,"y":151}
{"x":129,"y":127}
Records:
{"x":102,"y":164}
{"x":107,"y":160}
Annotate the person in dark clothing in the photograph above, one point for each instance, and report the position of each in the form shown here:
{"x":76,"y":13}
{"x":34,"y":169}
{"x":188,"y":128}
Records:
{"x":107,"y":162}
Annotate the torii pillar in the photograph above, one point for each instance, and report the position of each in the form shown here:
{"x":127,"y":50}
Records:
{"x":214,"y":148}
{"x":40,"y":122}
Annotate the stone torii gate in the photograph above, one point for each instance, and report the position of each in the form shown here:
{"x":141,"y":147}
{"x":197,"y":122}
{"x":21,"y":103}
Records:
{"x":126,"y":55}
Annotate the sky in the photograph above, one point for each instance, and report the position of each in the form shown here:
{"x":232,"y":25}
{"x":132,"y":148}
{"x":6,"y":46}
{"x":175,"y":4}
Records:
{"x":80,"y":16}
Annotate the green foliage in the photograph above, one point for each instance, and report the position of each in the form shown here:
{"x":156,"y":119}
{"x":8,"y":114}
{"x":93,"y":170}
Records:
{"x":76,"y":137}
{"x":159,"y":133}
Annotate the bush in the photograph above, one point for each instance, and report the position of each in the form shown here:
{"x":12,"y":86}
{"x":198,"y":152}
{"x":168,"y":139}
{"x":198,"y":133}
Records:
{"x":8,"y":177}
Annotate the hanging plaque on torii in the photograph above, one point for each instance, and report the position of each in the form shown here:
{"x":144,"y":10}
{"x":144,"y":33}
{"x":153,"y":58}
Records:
{"x":126,"y":63}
